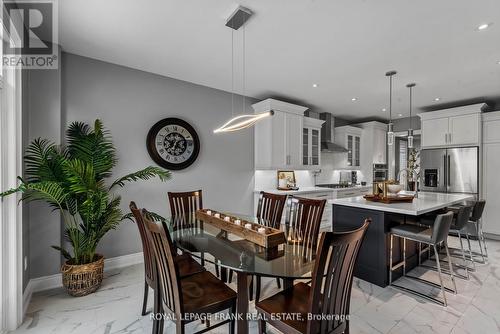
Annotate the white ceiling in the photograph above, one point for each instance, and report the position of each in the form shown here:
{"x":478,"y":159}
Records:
{"x":345,"y":46}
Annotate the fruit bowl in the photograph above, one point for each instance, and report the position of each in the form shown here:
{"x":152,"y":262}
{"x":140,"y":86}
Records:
{"x":394,"y":188}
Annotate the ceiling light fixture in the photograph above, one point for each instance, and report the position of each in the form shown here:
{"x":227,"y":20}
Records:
{"x":383,"y":109}
{"x":437,"y":99}
{"x":483,"y":26}
{"x":400,"y":115}
{"x":239,"y":17}
{"x":354,"y":99}
{"x":315,"y":85}
{"x":410,"y":130}
{"x":390,"y":126}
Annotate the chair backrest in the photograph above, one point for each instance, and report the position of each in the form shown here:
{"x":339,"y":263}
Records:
{"x":167,"y":271}
{"x":463,"y":216}
{"x":332,"y":280}
{"x":302,"y":221}
{"x":147,"y":251}
{"x":270,"y":209}
{"x":441,"y":227}
{"x":477,"y":212}
{"x":183,"y":203}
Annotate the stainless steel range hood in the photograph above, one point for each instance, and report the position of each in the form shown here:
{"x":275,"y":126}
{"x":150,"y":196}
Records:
{"x":328,"y":134}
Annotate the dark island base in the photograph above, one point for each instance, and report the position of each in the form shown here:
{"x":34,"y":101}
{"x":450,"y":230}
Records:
{"x":373,"y":260}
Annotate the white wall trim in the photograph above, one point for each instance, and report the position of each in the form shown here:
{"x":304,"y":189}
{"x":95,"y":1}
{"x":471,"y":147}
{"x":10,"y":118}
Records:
{"x":55,"y":281}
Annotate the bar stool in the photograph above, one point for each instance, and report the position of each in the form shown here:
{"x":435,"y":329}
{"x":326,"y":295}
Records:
{"x":476,"y":219}
{"x":433,"y":236}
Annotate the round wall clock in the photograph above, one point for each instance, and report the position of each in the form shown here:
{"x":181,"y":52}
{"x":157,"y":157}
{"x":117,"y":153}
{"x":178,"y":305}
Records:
{"x":173,"y":144}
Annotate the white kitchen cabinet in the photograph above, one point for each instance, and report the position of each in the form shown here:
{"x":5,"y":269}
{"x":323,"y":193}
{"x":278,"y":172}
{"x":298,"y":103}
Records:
{"x":373,"y":148}
{"x":452,"y":127}
{"x":278,"y":139}
{"x":350,"y":138}
{"x":435,"y":132}
{"x":491,"y":163}
{"x":311,"y":142}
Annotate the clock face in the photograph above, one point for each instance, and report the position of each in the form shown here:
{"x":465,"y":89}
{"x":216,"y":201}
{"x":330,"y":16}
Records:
{"x":173,"y":143}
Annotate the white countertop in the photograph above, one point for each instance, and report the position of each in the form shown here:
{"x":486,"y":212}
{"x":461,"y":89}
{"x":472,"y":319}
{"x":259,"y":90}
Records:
{"x":303,"y":190}
{"x":426,"y":202}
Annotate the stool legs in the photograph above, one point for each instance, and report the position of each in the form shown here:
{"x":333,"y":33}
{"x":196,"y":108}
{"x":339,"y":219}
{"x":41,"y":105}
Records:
{"x":479,"y":241}
{"x":439,"y":274}
{"x":450,"y":266}
{"x":466,"y":268}
{"x":470,"y":251}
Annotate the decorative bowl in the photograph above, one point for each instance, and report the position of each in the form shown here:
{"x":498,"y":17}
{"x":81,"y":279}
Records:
{"x":394,"y":188}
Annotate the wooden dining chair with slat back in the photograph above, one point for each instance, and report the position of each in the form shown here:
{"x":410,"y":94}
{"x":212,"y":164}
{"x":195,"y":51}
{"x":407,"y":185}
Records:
{"x":302,"y":222}
{"x":186,"y":203}
{"x":269,"y":213}
{"x":187,"y":265}
{"x":184,"y":299}
{"x":324,"y":306}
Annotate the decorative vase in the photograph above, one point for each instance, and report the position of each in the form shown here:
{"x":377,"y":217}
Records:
{"x":83,"y":279}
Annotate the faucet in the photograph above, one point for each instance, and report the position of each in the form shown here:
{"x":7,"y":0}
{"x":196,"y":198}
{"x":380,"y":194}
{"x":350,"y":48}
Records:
{"x":398,"y":178}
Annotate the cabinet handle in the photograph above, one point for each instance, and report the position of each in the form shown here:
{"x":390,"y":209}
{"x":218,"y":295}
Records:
{"x":446,"y":138}
{"x":450,"y":137}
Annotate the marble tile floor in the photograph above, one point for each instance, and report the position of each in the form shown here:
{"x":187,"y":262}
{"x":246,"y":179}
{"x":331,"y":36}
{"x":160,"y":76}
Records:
{"x":115,"y":307}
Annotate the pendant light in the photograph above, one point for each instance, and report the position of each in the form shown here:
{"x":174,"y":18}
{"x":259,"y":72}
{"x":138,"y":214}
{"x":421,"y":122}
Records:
{"x":410,"y":130}
{"x":235,"y":21}
{"x":390,"y":126}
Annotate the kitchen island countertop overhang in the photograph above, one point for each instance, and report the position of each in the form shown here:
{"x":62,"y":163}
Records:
{"x":425,"y":203}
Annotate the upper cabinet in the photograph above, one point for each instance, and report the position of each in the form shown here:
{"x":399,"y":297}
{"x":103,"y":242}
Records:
{"x":278,"y":139}
{"x":350,"y":138}
{"x":311,"y":142}
{"x":452,"y":127}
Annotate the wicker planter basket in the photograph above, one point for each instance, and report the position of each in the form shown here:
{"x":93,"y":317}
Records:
{"x":83,"y":279}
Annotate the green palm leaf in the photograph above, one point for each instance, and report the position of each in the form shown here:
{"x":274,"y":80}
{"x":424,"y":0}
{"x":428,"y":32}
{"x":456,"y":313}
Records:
{"x":144,"y":174}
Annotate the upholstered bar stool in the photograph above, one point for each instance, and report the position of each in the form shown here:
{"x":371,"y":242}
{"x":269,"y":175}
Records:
{"x":432,"y":236}
{"x":458,"y":227}
{"x":476,"y":220}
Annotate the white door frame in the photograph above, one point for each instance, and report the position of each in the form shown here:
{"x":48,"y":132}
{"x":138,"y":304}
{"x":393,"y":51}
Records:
{"x":11,"y":165}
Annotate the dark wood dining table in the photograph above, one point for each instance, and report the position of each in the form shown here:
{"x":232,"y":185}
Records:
{"x":288,"y":261}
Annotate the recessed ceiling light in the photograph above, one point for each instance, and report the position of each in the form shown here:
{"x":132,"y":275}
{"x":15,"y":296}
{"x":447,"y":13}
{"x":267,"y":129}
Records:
{"x":437,"y":99}
{"x":354,"y":99}
{"x":498,"y":62}
{"x":383,"y":109}
{"x":315,"y":85}
{"x":484,"y":26}
{"x":400,"y":115}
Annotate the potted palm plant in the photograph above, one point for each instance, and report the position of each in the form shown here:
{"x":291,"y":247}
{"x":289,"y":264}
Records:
{"x":74,"y":181}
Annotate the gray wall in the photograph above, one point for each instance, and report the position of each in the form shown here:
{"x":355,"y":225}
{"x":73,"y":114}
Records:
{"x":129,"y":102}
{"x":42,"y":118}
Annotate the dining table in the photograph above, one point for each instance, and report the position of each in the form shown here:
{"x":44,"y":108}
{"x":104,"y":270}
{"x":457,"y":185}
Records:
{"x":288,"y":261}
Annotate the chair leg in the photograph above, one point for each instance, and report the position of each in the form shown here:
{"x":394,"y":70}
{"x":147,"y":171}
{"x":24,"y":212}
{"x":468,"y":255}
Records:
{"x":232,"y":321}
{"x":463,"y":255}
{"x":440,"y":276}
{"x":230,"y":276}
{"x":404,"y":256}
{"x":262,"y":326}
{"x":250,"y":289}
{"x":278,"y":282}
{"x":390,"y":259}
{"x":470,"y":251}
{"x":258,"y":281}
{"x":450,"y":265}
{"x":479,"y":241}
{"x":480,"y":223}
{"x":145,"y":301}
{"x":202,"y":257}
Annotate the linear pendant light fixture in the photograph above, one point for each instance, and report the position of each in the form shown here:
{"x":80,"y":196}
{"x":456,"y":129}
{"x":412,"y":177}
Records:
{"x":390,"y":126}
{"x":236,"y":20}
{"x":410,"y":130}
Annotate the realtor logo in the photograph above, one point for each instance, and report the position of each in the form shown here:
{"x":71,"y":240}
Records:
{"x":30,"y":28}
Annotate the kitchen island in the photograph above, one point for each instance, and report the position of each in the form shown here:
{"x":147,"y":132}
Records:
{"x":373,"y":260}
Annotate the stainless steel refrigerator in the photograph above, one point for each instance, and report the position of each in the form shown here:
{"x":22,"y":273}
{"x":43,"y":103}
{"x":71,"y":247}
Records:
{"x":451,"y":170}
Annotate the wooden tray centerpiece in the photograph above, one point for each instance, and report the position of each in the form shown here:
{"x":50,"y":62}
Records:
{"x":390,"y":199}
{"x":261,"y":235}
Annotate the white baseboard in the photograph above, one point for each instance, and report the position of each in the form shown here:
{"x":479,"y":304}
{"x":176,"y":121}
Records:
{"x":55,"y":281}
{"x":491,"y":236}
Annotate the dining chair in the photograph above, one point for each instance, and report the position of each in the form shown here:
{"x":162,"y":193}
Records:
{"x":187,"y":265}
{"x":184,"y":299}
{"x":269,"y":213}
{"x":186,"y":203}
{"x":302,"y":222}
{"x":322,"y":307}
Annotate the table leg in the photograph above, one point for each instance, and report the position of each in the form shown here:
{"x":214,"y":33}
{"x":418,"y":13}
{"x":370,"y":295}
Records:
{"x":287,"y":283}
{"x":242,"y":302}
